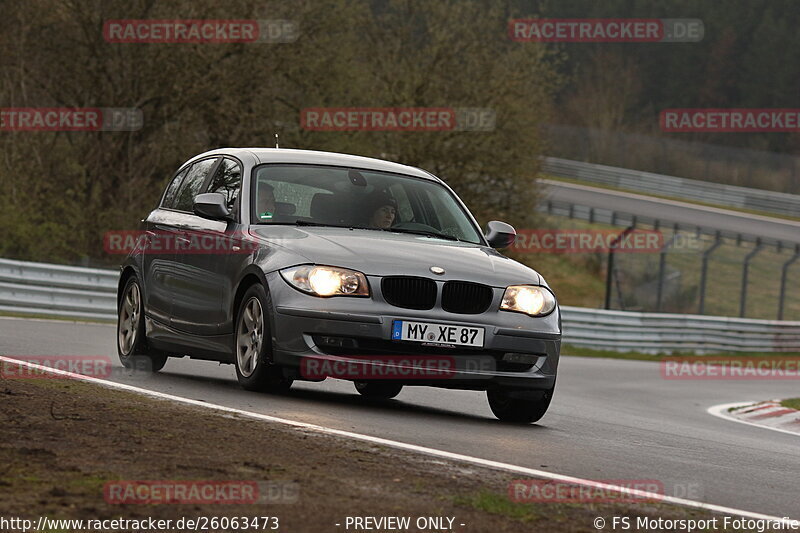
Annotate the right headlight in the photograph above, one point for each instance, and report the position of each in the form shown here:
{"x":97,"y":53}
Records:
{"x":532,"y":300}
{"x":327,"y":281}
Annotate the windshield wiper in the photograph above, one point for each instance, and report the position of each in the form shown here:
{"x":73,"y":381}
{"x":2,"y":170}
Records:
{"x":391,"y":230}
{"x":425,"y":233}
{"x":307,"y":223}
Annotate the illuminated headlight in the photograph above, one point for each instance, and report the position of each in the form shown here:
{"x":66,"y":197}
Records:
{"x":529,"y":299}
{"x":327,"y":281}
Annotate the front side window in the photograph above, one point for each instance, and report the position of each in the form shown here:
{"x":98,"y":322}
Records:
{"x":228,"y":181}
{"x":193,"y":184}
{"x":364,"y":199}
{"x":172,"y":189}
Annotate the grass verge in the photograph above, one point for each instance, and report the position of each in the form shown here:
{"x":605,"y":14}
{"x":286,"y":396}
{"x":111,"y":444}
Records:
{"x":791,"y":403}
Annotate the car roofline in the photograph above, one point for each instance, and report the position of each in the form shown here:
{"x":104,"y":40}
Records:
{"x":314,"y":157}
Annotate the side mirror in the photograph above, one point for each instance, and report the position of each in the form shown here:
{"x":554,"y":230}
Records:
{"x":211,"y":205}
{"x":499,"y":234}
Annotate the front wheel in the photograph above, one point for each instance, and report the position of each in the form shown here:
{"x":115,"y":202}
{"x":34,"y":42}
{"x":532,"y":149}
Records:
{"x":518,"y":410}
{"x":253,"y":345}
{"x":380,"y":391}
{"x":131,"y":341}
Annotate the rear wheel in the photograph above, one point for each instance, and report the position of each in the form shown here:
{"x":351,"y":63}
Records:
{"x":518,"y":410}
{"x":131,"y":341}
{"x":382,"y":391}
{"x":253,"y":345}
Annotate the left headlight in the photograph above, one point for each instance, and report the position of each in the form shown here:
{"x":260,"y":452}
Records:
{"x":532,"y":300}
{"x":327,"y":281}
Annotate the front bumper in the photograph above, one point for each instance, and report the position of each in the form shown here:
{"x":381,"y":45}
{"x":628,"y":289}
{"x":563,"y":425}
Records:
{"x":520,"y":352}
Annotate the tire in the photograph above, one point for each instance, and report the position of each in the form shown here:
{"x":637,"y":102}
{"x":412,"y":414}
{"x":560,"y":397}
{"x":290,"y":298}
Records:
{"x":131,"y":339}
{"x":379,"y":391}
{"x":518,"y":410}
{"x":252,"y":344}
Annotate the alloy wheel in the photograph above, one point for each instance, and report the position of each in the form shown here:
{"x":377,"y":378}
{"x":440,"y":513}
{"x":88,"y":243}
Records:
{"x":249,"y":337}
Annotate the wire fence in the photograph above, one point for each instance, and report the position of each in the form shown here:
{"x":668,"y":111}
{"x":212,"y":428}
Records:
{"x":695,"y":270}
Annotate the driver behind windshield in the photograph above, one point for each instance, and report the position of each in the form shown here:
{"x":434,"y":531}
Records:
{"x":382,"y":210}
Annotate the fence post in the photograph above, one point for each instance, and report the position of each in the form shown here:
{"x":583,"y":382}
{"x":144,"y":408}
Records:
{"x":610,"y":265}
{"x":745,"y":271}
{"x":662,"y":266}
{"x":784,"y":273}
{"x":704,"y":272}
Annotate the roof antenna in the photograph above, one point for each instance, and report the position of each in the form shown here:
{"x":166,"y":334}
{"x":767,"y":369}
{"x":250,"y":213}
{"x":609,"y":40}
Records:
{"x":276,"y":140}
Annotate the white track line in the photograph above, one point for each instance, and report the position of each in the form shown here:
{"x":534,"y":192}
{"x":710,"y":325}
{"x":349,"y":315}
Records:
{"x":66,"y":320}
{"x":786,"y":521}
{"x":721,"y":410}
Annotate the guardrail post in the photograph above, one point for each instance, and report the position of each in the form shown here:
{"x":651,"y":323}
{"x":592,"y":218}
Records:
{"x":784,"y":273}
{"x":610,"y":265}
{"x":745,"y":272}
{"x":704,"y":272}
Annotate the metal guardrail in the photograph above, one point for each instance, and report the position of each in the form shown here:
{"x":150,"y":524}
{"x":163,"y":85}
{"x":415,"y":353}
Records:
{"x":666,"y":333}
{"x":648,"y":182}
{"x":45,"y":289}
{"x":42,"y":289}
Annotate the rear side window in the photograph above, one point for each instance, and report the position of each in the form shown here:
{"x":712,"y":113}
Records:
{"x":193,"y":184}
{"x":228,"y":181}
{"x":172,"y":189}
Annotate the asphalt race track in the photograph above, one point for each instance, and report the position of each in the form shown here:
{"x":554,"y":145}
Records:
{"x":673,"y":211}
{"x":610,"y":419}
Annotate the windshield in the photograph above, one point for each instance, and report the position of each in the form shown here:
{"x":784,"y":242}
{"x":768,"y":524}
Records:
{"x":337,"y":196}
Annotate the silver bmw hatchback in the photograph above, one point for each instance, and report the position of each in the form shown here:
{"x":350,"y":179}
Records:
{"x":303,"y":265}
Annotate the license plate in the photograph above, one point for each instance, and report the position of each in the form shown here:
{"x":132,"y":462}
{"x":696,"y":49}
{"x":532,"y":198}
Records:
{"x":403,"y":330}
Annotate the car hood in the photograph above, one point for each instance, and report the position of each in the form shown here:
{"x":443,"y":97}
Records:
{"x":385,"y":254}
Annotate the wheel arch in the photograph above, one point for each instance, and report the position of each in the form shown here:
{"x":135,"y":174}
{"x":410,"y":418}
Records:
{"x":251,"y":276}
{"x":127,"y":273}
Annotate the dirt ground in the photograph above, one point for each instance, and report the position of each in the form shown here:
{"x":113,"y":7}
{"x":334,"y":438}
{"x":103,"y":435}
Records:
{"x":63,"y":441}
